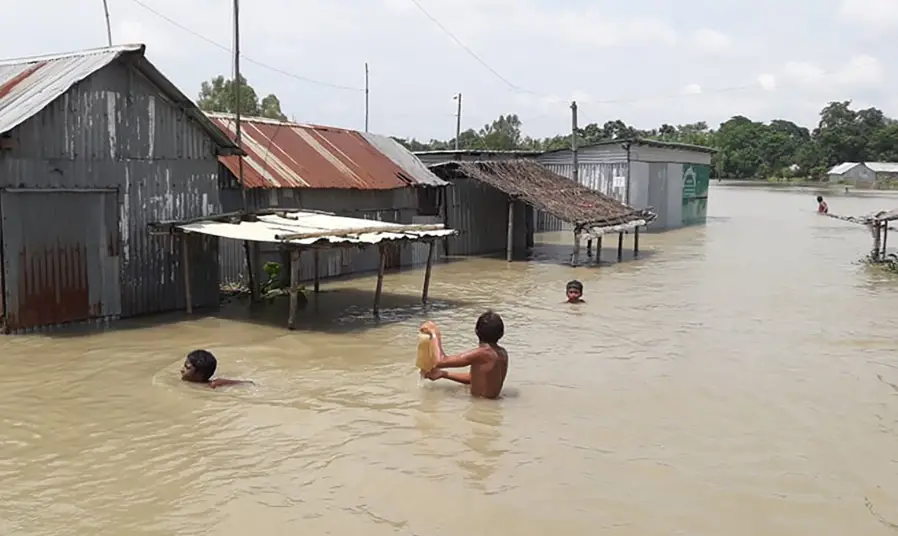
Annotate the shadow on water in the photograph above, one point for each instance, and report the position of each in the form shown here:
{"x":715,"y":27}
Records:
{"x":339,"y":310}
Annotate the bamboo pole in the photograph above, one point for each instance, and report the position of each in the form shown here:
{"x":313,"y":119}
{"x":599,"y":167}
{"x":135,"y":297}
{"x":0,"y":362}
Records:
{"x":185,"y":264}
{"x":575,"y":258}
{"x":620,"y":247}
{"x":380,"y":281}
{"x":636,"y":242}
{"x":428,"y":271}
{"x":885,"y":239}
{"x":599,"y":250}
{"x":362,"y":230}
{"x":294,"y":287}
{"x":509,"y":239}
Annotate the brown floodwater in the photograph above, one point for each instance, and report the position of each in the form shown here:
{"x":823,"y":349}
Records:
{"x":738,"y":379}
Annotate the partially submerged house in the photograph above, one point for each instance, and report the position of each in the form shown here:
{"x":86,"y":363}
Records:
{"x":491,"y":205}
{"x":864,"y":174}
{"x":93,"y":146}
{"x":335,"y":170}
{"x":671,"y":178}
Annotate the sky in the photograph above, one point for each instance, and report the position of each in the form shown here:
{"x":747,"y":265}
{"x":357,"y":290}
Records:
{"x":646,"y":62}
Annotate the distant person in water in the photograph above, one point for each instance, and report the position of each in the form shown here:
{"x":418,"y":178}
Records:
{"x":574,"y":292}
{"x":199,"y":367}
{"x":488,"y":362}
{"x":822,"y":207}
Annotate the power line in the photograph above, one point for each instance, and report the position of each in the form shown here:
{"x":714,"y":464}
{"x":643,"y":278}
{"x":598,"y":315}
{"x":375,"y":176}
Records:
{"x":458,"y":41}
{"x":245,"y":58}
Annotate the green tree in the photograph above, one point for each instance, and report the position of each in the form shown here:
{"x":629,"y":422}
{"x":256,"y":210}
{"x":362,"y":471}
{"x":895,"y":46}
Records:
{"x":220,"y":95}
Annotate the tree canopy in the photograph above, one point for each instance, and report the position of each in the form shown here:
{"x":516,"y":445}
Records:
{"x":746,"y":148}
{"x":219,"y":95}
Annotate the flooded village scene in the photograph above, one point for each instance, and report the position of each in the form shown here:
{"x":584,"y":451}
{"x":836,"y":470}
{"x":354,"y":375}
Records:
{"x":257,"y":281}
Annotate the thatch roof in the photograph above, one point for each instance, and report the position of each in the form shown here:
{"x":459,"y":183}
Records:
{"x":530,"y":182}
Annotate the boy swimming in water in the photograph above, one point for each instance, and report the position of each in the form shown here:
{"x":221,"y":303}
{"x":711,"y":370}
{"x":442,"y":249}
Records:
{"x":574,"y":291}
{"x":822,"y":207}
{"x":488,"y":361}
{"x":200,"y":365}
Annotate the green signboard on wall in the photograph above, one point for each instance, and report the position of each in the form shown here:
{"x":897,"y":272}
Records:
{"x":695,"y":193}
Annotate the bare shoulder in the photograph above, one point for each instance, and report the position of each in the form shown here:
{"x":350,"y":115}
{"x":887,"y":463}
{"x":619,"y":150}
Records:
{"x":501,"y":353}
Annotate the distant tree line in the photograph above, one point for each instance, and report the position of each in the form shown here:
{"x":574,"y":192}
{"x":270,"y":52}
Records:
{"x":746,"y":149}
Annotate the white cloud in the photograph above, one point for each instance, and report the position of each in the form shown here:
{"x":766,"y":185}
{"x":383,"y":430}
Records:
{"x":692,"y":89}
{"x":877,"y":15}
{"x":767,"y":81}
{"x":711,"y":41}
{"x":860,"y":72}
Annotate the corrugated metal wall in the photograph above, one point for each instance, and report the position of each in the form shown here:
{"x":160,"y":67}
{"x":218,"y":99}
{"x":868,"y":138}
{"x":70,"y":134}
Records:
{"x":480,"y":214}
{"x":397,"y":206}
{"x":113,"y":130}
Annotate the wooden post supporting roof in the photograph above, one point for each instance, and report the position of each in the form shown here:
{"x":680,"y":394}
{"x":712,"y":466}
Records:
{"x":317,"y":273}
{"x":380,"y":280}
{"x":620,"y":247}
{"x":509,"y":239}
{"x":428,"y":271}
{"x":636,"y":242}
{"x":294,"y":287}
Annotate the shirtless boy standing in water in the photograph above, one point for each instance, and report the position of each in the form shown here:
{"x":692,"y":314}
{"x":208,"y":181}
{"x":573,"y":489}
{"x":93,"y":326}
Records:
{"x":488,"y":361}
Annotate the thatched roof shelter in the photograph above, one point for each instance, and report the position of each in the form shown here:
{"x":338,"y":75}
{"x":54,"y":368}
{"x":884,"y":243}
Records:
{"x":529,"y":182}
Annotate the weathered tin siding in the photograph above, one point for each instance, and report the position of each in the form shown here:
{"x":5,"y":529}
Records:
{"x":430,"y":158}
{"x":397,"y":206}
{"x":113,"y":134}
{"x":480,"y":214}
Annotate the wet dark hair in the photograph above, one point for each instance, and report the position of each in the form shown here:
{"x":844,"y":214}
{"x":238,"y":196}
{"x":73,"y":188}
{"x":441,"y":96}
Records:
{"x":489,"y":328}
{"x":819,"y":198}
{"x":575,"y":285}
{"x":203,"y":362}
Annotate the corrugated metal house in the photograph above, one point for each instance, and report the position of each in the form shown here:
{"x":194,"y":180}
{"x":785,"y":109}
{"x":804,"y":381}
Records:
{"x":93,"y":146}
{"x":491,"y":205}
{"x":864,"y":174}
{"x":348,"y":173}
{"x":671,"y":178}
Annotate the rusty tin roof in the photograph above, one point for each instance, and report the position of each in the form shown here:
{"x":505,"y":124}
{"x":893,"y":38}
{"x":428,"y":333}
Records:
{"x":281,"y":154}
{"x":28,"y":85}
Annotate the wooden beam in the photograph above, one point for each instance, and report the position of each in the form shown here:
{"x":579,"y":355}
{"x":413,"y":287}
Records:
{"x":317,"y":273}
{"x":427,"y":271}
{"x":877,"y":240}
{"x":380,"y":281}
{"x":185,"y":265}
{"x":509,"y":239}
{"x":620,"y":247}
{"x":885,"y":238}
{"x":294,"y":287}
{"x":575,"y":258}
{"x":256,"y":250}
{"x":636,"y":242}
{"x":599,"y":250}
{"x":589,"y":247}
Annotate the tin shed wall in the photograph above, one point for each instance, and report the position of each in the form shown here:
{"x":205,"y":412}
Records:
{"x":480,"y":214}
{"x":114,"y":130}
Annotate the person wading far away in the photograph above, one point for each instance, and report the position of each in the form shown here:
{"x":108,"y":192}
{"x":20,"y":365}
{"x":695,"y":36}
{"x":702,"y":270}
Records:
{"x":488,"y":362}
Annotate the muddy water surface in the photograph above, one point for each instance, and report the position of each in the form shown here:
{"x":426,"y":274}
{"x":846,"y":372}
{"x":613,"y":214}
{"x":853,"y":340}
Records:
{"x":739,"y":379}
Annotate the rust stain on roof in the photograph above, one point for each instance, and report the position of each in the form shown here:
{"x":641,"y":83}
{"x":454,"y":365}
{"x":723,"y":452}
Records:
{"x":289,"y":155}
{"x":14,"y":81}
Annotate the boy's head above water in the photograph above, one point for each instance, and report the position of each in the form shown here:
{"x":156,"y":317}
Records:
{"x":489,"y":328}
{"x":199,"y":366}
{"x":574,"y":291}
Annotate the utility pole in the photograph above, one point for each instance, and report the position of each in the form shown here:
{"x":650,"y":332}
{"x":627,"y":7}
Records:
{"x":366,"y":97}
{"x":252,"y":252}
{"x":108,"y":25}
{"x":457,"y":121}
{"x":575,"y":174}
{"x":237,"y":126}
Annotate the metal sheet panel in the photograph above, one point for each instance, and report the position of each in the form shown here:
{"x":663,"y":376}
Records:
{"x":61,"y":255}
{"x":644,"y":153}
{"x":281,"y":154}
{"x":658,"y":195}
{"x":480,"y":214}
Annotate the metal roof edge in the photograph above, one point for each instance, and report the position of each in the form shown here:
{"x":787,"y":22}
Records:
{"x":119,"y":49}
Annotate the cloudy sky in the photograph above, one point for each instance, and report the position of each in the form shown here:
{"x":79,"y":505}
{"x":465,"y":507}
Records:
{"x":644,"y":61}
